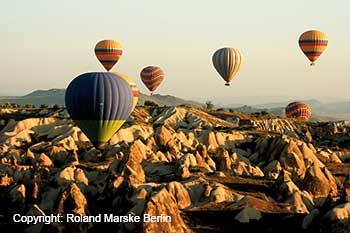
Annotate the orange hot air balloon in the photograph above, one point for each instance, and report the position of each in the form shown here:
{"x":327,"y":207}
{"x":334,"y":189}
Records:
{"x":298,"y":110}
{"x":313,"y":43}
{"x":108,"y":52}
{"x":152,"y":77}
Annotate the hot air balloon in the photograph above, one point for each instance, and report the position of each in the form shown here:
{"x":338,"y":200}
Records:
{"x":99,"y":103}
{"x":108,"y":53}
{"x":313,"y":43}
{"x":134,"y":89}
{"x":298,"y":110}
{"x":152,"y":77}
{"x":227,"y":62}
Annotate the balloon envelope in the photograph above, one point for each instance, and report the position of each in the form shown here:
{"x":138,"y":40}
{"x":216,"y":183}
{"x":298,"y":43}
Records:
{"x":99,"y":103}
{"x":313,"y":43}
{"x":298,"y":110}
{"x":134,"y":89}
{"x":108,"y":53}
{"x":152,"y":77}
{"x":227,"y":62}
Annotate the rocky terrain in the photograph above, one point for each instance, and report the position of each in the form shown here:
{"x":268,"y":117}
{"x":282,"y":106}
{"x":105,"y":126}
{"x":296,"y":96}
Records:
{"x":211,"y":171}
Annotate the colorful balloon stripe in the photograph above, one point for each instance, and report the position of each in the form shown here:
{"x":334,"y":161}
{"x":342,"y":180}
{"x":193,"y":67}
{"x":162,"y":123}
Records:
{"x":152,"y":77}
{"x":108,"y":53}
{"x":298,"y":110}
{"x":134,"y":89}
{"x":313,"y":43}
{"x":227,"y":62}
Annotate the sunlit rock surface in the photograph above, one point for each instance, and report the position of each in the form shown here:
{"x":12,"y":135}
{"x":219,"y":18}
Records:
{"x":209,"y":171}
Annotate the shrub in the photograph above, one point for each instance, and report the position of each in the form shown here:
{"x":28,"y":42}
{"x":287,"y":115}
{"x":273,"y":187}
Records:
{"x":209,"y":105}
{"x":29,"y":106}
{"x":44,"y":106}
{"x":56,"y":107}
{"x":151,"y":103}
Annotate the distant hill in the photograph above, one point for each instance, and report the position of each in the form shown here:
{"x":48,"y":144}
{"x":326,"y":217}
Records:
{"x":56,"y":96}
{"x":168,"y":100}
{"x":279,"y":111}
{"x":313,"y":104}
{"x":338,"y":110}
{"x":46,"y":93}
{"x":321,"y":111}
{"x":39,"y":97}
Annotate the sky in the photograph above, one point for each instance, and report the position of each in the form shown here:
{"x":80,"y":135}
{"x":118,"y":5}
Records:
{"x":47,"y":43}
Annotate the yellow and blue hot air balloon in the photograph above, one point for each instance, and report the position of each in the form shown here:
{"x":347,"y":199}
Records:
{"x":313,"y":43}
{"x":99,"y":103}
{"x":108,"y":52}
{"x":152,"y":77}
{"x":227,"y":62}
{"x":134,"y":89}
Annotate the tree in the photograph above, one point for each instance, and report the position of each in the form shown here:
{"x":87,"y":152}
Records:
{"x":14,"y":105}
{"x":44,"y":106}
{"x":222,"y":110}
{"x":264,"y":113}
{"x":209,"y":105}
{"x":151,"y":103}
{"x":29,"y":106}
{"x":55,"y":107}
{"x":5,"y":105}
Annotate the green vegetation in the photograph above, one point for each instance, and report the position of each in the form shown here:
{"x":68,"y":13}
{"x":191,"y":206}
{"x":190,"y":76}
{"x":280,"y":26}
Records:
{"x":9,"y":105}
{"x":261,"y":114}
{"x":222,"y":110}
{"x":44,"y":106}
{"x":30,"y":106}
{"x":209,"y":105}
{"x":151,"y":103}
{"x":56,"y":107}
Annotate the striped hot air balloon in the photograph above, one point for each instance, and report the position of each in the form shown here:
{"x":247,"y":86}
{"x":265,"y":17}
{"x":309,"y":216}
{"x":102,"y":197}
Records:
{"x":313,"y":43}
{"x":99,"y":103}
{"x":227,"y":62}
{"x":298,"y":110}
{"x":108,"y":53}
{"x":134,"y":89}
{"x":152,"y":77}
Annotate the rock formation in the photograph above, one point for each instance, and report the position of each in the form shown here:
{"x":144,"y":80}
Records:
{"x":209,"y":171}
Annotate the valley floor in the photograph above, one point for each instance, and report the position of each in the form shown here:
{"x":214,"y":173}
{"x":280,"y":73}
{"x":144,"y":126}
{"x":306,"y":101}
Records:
{"x":210,"y":171}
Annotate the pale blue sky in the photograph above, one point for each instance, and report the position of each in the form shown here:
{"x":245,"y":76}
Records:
{"x":46,"y":43}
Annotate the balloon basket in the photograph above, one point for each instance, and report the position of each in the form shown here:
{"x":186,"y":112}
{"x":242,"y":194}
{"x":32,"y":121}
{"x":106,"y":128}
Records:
{"x":227,"y":84}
